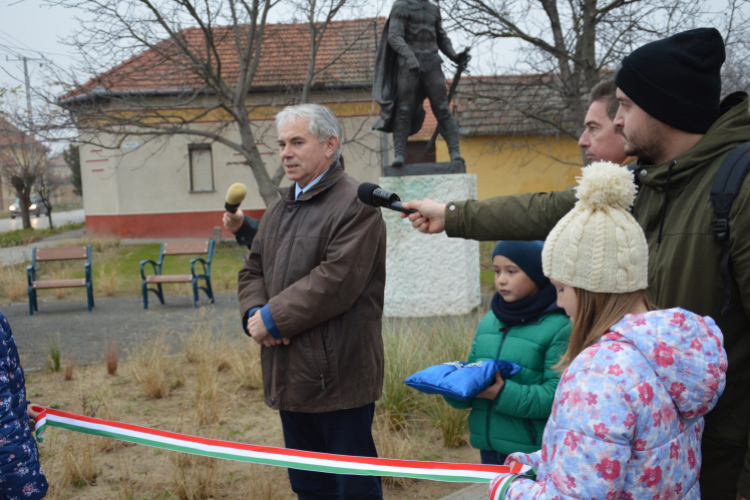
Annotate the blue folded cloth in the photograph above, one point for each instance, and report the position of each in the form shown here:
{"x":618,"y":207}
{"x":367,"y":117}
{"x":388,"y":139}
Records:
{"x":461,"y":380}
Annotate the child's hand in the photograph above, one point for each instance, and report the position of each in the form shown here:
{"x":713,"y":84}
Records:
{"x":491,"y":392}
{"x":32,"y":416}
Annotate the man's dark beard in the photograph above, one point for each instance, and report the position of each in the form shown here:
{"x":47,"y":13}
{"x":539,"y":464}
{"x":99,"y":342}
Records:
{"x":646,"y":144}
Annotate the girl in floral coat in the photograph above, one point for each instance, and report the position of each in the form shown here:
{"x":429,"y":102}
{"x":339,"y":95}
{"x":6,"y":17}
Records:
{"x":20,"y":473}
{"x":627,"y":418}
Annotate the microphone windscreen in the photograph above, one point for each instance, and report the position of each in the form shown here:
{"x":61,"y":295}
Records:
{"x":364,"y":193}
{"x":236,"y":193}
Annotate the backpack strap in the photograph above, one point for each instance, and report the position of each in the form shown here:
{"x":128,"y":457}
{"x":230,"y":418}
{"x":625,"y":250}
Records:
{"x":724,"y":190}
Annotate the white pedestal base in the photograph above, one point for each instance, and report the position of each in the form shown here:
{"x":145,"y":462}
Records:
{"x":429,"y":275}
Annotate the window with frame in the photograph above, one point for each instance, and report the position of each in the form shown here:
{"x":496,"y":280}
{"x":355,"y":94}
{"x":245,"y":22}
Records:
{"x":201,"y":168}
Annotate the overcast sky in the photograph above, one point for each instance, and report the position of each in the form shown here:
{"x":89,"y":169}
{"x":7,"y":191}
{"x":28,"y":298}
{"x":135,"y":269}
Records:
{"x":29,"y":29}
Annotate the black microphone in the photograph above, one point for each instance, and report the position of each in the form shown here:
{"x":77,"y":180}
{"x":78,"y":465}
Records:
{"x":375,"y":196}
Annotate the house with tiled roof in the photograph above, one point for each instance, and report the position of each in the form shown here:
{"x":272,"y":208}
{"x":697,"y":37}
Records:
{"x":508,"y":137}
{"x":155,"y":187}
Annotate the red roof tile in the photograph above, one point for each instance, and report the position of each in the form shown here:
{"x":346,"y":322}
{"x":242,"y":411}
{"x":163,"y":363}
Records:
{"x":346,"y":56}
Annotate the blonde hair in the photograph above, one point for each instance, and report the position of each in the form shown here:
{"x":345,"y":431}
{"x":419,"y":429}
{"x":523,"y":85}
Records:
{"x":595,"y":314}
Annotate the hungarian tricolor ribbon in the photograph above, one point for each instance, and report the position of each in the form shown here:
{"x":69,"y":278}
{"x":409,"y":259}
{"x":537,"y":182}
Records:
{"x":268,"y":455}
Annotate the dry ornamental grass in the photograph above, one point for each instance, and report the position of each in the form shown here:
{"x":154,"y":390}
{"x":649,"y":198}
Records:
{"x":198,"y":398}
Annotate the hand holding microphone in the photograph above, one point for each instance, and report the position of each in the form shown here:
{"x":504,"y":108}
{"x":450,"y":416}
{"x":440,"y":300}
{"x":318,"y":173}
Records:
{"x":233,"y":217}
{"x":375,"y":196}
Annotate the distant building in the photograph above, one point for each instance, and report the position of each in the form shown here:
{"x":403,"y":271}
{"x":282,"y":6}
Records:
{"x":175,"y":186}
{"x":509,"y":151}
{"x":62,"y":175}
{"x":18,"y":150}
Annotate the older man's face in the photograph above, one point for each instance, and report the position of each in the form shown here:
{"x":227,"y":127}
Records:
{"x":600,"y":140}
{"x":303,"y":156}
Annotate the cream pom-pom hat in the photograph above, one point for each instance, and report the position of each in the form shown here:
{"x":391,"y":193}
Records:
{"x":598,"y":246}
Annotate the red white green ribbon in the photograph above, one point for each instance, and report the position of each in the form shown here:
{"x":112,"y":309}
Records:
{"x":267,"y":455}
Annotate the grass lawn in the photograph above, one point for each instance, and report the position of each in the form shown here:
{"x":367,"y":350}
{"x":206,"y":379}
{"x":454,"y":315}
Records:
{"x":20,"y":237}
{"x":116,"y":271}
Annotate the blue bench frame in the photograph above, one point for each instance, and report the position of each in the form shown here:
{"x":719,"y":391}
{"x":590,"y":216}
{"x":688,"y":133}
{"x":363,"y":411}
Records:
{"x":64,"y":253}
{"x":157,"y":267}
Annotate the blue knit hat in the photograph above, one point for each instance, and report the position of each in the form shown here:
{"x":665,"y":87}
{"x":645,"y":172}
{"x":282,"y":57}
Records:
{"x":527,"y":255}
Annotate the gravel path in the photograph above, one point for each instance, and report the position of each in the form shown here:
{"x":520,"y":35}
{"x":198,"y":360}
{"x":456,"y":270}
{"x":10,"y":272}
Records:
{"x":83,"y":334}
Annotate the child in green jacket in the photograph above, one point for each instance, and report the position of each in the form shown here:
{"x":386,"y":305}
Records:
{"x":525,"y":327}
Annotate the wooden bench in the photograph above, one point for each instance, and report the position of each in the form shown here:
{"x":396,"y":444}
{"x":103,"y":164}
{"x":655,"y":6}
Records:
{"x":180,"y":248}
{"x":52,"y":254}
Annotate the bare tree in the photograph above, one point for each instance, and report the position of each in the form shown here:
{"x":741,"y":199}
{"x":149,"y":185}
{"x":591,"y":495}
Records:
{"x":735,"y":27}
{"x":46,"y":185}
{"x":568,"y":46}
{"x":22,"y":160}
{"x":185,"y":55}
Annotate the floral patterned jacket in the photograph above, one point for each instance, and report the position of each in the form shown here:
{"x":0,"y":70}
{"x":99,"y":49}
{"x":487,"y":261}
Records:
{"x":627,"y":419}
{"x":20,"y":472}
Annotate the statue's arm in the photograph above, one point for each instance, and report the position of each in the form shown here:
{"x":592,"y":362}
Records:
{"x":444,"y":43}
{"x":396,"y":38}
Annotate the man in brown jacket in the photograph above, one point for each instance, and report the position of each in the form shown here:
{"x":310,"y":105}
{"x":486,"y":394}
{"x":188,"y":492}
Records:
{"x":311,"y":292}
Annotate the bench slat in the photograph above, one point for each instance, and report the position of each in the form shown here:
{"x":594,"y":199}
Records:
{"x":170,"y":278}
{"x":185,"y":247}
{"x":36,"y":285}
{"x":61,"y":253}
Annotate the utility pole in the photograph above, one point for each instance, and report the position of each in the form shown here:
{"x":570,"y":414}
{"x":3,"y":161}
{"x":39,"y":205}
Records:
{"x":28,"y":85}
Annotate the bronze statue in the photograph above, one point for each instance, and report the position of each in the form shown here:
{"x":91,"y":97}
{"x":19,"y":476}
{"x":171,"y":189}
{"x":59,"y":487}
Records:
{"x":408,"y":69}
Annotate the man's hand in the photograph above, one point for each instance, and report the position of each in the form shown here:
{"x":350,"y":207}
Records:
{"x":258,"y":332}
{"x":32,"y":417}
{"x":233,"y":222}
{"x":430,"y":216}
{"x":491,"y":392}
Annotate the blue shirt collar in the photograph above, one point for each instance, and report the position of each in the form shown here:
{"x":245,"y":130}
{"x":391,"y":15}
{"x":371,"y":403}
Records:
{"x":298,"y":190}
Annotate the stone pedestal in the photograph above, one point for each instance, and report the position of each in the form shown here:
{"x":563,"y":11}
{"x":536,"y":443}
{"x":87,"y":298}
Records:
{"x":429,"y":275}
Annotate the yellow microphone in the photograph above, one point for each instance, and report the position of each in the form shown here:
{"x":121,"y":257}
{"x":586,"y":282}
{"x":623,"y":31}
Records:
{"x":235,"y":195}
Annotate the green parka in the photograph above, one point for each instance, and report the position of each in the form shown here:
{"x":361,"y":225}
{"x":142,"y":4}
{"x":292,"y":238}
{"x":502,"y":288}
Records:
{"x":684,"y":268}
{"x":515,"y":421}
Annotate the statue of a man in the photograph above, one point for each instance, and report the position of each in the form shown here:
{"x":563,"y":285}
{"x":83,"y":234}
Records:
{"x":408,"y":70}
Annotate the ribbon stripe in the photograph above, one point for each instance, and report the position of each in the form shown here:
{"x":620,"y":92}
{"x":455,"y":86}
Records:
{"x":267,"y":455}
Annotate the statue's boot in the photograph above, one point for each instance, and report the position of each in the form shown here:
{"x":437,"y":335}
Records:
{"x":450,"y":134}
{"x":401,"y":128}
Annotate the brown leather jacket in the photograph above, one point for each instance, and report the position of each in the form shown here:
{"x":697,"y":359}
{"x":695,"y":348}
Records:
{"x":319,"y":263}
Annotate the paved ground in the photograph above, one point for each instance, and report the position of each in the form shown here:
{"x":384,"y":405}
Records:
{"x":124,"y":321}
{"x":42,"y":221}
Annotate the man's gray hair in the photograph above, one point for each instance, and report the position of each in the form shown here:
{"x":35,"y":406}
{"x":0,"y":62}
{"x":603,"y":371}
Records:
{"x":323,"y":123}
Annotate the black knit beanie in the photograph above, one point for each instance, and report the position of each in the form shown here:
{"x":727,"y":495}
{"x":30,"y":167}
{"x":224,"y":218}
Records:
{"x":677,"y":80}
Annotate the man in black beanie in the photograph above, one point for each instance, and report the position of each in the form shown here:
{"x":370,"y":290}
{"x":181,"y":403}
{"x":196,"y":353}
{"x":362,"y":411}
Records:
{"x":672,"y":118}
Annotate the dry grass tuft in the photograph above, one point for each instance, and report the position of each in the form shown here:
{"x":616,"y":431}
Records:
{"x":70,"y":365}
{"x":453,"y":423}
{"x":107,"y":279}
{"x":391,"y":444}
{"x":245,"y":364}
{"x":13,"y":282}
{"x":150,"y":367}
{"x":77,"y":456}
{"x":193,"y":477}
{"x":111,"y":356}
{"x":208,"y":408}
{"x":265,"y":483}
{"x":53,"y":353}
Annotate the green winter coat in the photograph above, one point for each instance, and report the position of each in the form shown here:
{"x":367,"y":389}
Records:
{"x":684,"y":269}
{"x":516,"y":420}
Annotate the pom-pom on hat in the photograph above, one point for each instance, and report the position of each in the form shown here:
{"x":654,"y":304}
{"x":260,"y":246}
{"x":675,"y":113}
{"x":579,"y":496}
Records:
{"x":598,"y":246}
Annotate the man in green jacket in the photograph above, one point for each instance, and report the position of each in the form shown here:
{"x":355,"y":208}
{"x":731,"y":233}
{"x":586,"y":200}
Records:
{"x":672,"y":119}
